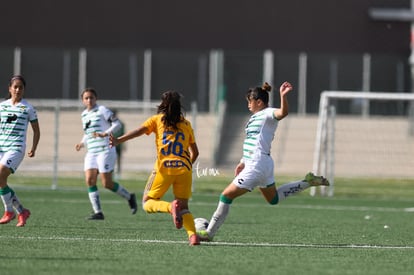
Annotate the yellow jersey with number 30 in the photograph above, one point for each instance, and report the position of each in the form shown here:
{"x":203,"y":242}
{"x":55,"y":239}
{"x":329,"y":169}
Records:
{"x":173,"y":155}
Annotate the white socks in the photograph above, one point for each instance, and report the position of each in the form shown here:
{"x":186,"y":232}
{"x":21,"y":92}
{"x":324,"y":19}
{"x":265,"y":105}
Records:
{"x":291,"y":188}
{"x":218,"y":218}
{"x":7,"y":202}
{"x":95,"y":201}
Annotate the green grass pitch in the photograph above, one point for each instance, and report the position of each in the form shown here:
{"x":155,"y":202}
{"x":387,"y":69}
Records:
{"x":366,"y":228}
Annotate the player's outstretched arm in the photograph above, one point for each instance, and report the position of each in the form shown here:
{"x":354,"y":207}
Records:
{"x":113,"y":141}
{"x":283,"y":111}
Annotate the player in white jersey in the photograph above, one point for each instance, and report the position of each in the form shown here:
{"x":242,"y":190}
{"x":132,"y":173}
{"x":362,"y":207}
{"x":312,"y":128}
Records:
{"x":98,"y":123}
{"x":15,"y":115}
{"x":256,"y":166}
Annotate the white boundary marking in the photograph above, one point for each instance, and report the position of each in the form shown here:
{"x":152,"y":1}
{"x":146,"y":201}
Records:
{"x":236,"y":244}
{"x":284,"y":245}
{"x":241,"y":205}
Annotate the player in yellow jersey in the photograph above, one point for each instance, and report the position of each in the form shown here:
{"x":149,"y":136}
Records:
{"x":176,"y":152}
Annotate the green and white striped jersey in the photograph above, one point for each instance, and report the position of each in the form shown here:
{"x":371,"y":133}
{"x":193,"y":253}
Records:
{"x":14,"y":120}
{"x":260,"y":131}
{"x":99,"y":119}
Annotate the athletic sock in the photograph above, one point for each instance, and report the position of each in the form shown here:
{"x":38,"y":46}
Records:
{"x":94,"y":199}
{"x":6,"y":195}
{"x":120,"y":190}
{"x":16,"y":204}
{"x":291,"y":188}
{"x":219,"y":215}
{"x":157,"y":206}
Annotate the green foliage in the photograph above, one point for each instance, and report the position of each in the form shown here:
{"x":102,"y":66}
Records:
{"x":365,"y":228}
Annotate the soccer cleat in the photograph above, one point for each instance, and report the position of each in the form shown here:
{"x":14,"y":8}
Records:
{"x":194,"y":240}
{"x":22,"y":217}
{"x":316,"y":180}
{"x":176,"y":213}
{"x":7,"y":217}
{"x":203,"y":236}
{"x":96,"y":216}
{"x":133,"y":203}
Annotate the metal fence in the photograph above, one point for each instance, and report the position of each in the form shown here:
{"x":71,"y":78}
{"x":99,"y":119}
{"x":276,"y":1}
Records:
{"x":202,"y":76}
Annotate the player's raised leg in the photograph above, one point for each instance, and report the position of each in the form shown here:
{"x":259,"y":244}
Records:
{"x":274,"y":196}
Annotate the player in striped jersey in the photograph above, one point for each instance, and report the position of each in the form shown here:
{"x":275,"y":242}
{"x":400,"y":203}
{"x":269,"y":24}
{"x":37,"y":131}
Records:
{"x":256,"y":166}
{"x":176,"y":152}
{"x":15,"y":115}
{"x":98,"y":123}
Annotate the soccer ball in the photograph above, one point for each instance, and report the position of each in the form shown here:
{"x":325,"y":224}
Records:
{"x":201,"y":224}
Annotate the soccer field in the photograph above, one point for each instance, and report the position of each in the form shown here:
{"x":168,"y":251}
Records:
{"x":366,"y":228}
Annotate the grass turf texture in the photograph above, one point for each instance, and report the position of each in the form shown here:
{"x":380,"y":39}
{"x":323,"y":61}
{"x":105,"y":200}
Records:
{"x":366,"y":228}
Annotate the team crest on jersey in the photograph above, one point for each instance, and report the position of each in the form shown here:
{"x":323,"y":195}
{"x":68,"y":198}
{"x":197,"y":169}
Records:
{"x":11,"y":118}
{"x":87,"y":124}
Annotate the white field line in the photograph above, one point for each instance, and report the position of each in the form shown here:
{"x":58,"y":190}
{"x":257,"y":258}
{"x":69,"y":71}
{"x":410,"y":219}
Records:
{"x":242,"y":205}
{"x":237,"y":244}
{"x":285,"y":245}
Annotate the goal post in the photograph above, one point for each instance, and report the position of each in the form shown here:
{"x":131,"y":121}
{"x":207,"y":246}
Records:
{"x":363,"y":144}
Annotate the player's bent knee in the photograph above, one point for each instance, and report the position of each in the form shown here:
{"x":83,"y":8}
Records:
{"x":145,"y":206}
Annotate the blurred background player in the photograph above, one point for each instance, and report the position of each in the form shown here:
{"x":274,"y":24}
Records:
{"x":15,"y":115}
{"x":176,"y":152}
{"x":120,"y":147}
{"x":98,"y":123}
{"x":256,"y":168}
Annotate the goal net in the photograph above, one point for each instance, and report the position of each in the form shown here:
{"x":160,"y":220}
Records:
{"x":364,"y":134}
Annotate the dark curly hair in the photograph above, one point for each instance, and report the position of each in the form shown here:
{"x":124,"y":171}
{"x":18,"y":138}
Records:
{"x":171,"y":108}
